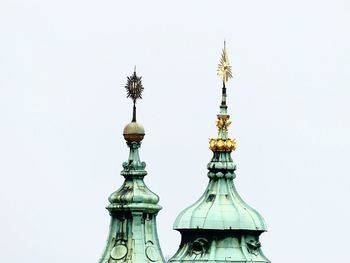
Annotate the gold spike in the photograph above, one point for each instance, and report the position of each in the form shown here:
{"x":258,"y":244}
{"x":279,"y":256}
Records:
{"x":224,"y":67}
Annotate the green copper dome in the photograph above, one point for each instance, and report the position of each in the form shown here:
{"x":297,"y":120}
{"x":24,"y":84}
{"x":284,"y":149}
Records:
{"x":133,"y":207}
{"x":220,"y":226}
{"x":220,"y":208}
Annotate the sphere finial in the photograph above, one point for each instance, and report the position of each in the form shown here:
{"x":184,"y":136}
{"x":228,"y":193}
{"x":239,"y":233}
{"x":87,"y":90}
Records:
{"x":134,"y":132}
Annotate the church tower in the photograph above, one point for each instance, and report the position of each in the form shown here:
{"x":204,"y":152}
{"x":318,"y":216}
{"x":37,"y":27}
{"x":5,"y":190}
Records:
{"x":133,"y":207}
{"x":220,"y":226}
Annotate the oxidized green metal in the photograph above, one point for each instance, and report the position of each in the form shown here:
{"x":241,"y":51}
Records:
{"x":220,"y":226}
{"x":133,"y":209}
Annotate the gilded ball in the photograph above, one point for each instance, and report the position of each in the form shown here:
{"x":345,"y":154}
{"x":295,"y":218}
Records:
{"x":134,"y":132}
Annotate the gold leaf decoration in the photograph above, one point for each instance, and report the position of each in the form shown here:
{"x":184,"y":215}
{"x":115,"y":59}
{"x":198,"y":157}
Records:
{"x":224,"y":67}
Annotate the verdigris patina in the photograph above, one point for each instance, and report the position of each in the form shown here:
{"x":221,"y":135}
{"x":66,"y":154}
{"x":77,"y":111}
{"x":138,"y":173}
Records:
{"x":133,"y":207}
{"x":220,"y":226}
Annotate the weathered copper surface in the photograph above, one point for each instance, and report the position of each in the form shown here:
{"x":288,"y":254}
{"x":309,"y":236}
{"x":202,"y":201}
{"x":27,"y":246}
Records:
{"x":133,"y":207}
{"x":220,"y":226}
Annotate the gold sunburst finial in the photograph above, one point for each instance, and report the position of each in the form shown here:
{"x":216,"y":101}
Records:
{"x":224,"y":67}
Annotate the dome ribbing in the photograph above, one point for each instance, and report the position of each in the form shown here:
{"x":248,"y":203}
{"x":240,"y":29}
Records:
{"x":220,"y":226}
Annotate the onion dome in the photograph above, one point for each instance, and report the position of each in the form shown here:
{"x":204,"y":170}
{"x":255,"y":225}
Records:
{"x":220,"y":226}
{"x":221,"y":207}
{"x":133,"y":207}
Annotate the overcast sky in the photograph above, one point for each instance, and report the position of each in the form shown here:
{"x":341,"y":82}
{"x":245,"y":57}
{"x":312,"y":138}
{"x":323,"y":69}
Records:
{"x":63,"y":67}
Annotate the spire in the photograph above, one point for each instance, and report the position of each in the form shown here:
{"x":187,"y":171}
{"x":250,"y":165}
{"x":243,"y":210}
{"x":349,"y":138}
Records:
{"x":133,"y":207}
{"x":222,"y":142}
{"x":220,"y":226}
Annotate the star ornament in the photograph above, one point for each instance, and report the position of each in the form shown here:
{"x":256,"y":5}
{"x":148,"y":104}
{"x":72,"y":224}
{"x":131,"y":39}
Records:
{"x":224,"y":67}
{"x":134,"y":87}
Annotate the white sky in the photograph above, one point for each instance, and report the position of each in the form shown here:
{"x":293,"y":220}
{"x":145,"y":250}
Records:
{"x":63,"y":67}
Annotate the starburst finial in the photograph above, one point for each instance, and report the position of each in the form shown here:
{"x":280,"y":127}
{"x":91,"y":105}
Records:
{"x":223,"y":143}
{"x":134,"y":90}
{"x":224,"y":67}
